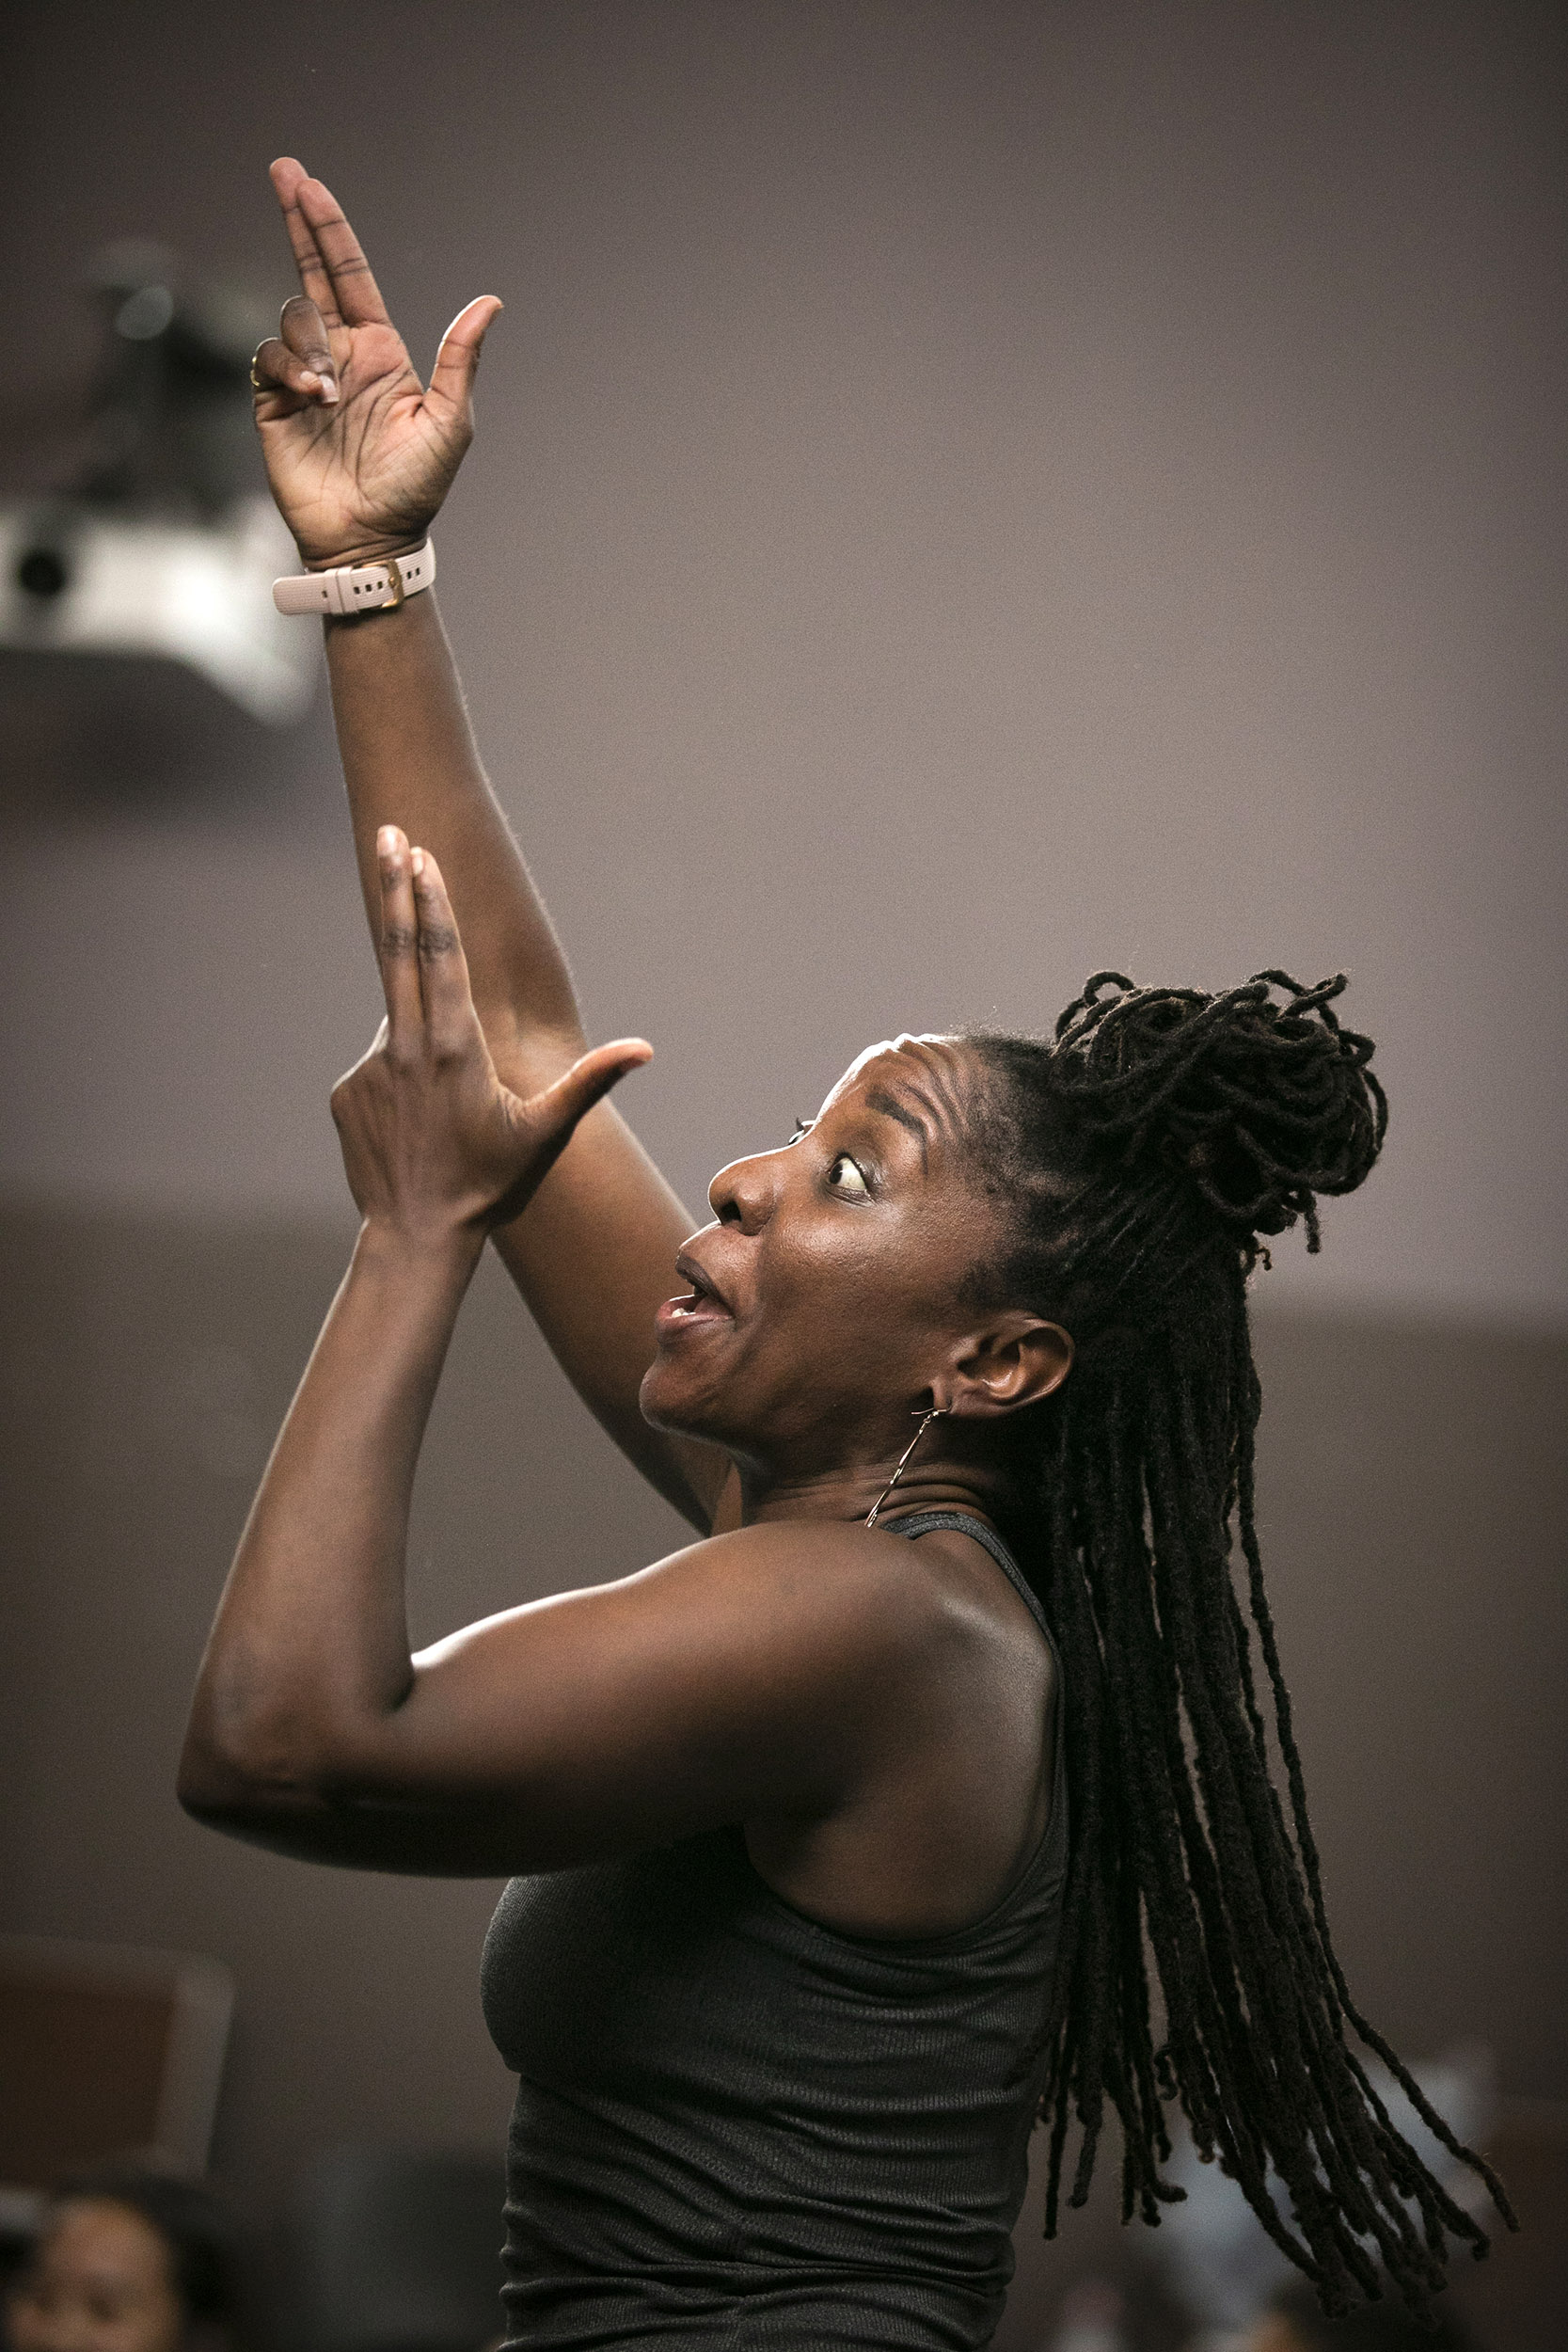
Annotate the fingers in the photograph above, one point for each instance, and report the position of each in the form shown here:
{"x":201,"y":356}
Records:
{"x":324,"y":242}
{"x":288,"y":177}
{"x":333,"y":271}
{"x":289,"y":376}
{"x":303,"y":330}
{"x":451,"y":379}
{"x":448,"y":1006}
{"x":429,"y":1005}
{"x":399,"y":947}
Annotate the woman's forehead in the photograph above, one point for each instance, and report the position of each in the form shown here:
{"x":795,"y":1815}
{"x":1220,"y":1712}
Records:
{"x":935,"y":1065}
{"x":925,"y":1082}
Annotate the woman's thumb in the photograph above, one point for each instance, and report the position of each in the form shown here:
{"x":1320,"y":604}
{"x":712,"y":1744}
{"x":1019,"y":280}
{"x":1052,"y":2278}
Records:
{"x":451,"y":378}
{"x":560,"y":1107}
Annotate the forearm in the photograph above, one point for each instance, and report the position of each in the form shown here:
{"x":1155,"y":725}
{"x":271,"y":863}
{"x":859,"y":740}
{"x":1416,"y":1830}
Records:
{"x":310,"y":1650}
{"x":409,"y":759}
{"x":594,"y":1253}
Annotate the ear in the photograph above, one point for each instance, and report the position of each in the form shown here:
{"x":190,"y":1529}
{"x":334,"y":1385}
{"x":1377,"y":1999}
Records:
{"x":1013,"y":1360}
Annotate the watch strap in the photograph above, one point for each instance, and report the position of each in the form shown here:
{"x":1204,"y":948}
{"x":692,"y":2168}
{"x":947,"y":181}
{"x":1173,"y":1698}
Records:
{"x":350,"y":588}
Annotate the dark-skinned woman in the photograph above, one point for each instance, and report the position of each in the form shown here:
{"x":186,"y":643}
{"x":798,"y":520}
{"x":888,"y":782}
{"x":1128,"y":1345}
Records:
{"x":129,"y":2258}
{"x":835,"y":1837}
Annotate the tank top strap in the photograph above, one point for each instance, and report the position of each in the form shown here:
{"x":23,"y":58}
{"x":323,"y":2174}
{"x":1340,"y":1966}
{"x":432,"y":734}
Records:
{"x":965,"y":1523}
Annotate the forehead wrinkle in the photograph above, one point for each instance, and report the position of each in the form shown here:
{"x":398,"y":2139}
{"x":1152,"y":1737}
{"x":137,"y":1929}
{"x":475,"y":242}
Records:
{"x":950,"y":1107}
{"x":943,"y":1069}
{"x":936,"y":1074}
{"x":879,"y":1099}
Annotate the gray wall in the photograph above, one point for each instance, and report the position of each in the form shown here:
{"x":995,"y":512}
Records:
{"x":964,"y":494}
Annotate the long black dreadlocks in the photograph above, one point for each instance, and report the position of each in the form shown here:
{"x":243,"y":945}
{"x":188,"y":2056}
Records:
{"x":1143,"y":1153}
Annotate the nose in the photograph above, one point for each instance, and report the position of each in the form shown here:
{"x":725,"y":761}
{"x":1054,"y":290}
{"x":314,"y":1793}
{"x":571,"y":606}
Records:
{"x":744,"y":1193}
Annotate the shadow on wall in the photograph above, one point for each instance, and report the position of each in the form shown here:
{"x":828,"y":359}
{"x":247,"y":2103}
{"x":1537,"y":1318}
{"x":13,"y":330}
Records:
{"x":1414,"y":1507}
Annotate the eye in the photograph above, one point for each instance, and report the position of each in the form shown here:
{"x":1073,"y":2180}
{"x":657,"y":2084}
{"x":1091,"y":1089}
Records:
{"x":846,"y":1176}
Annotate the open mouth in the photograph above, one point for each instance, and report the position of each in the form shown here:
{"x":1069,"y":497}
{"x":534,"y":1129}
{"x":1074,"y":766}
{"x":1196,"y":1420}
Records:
{"x":702,"y":1303}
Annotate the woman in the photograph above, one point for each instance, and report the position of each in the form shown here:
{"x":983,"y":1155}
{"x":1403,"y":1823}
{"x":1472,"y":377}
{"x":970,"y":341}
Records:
{"x":799,"y":1941}
{"x":128,"y":2260}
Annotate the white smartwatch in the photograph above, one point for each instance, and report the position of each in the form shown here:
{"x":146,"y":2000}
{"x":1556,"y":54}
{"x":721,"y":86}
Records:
{"x":378,"y":587}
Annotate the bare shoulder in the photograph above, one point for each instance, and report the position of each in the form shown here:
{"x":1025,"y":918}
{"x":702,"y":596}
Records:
{"x":811,"y":1591}
{"x":972,"y":1587}
{"x":945,"y":1785}
{"x":828,"y":1567}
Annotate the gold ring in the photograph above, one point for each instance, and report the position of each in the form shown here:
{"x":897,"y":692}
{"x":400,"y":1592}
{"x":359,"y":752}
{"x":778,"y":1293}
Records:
{"x":258,"y":384}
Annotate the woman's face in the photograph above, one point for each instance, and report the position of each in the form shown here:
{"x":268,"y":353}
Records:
{"x":827,"y":1297}
{"x":100,"y":2281}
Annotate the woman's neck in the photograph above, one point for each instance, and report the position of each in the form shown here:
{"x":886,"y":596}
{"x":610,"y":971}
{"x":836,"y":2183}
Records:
{"x":945,"y":1482}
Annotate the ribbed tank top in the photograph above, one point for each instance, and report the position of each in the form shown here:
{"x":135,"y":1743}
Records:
{"x":736,"y":2127}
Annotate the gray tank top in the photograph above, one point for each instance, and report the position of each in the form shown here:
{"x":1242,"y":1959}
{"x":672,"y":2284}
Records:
{"x":736,"y":2127}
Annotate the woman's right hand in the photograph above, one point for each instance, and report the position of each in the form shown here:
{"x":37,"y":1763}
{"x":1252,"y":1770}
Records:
{"x":359,"y":453}
{"x":434,"y":1142}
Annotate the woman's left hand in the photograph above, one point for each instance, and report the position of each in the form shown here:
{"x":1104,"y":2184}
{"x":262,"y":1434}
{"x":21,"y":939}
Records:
{"x":433,"y":1144}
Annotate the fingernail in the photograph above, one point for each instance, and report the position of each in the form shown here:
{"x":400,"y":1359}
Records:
{"x":416,"y":859}
{"x":386,"y":840}
{"x":330,"y":390}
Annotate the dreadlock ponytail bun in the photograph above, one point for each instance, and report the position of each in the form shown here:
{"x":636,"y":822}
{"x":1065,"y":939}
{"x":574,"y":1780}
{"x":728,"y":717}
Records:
{"x":1134,"y":1162}
{"x":1263,"y":1104}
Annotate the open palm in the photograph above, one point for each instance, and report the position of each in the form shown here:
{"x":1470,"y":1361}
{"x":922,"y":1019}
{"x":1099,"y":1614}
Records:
{"x":358,"y":452}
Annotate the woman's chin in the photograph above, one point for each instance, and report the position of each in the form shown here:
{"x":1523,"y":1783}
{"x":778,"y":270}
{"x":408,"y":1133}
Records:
{"x":668,"y":1403}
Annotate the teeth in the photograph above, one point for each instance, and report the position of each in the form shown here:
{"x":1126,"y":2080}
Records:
{"x":693,"y":1302}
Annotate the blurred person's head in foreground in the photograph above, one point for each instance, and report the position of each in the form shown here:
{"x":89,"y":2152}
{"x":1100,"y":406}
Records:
{"x":1294,"y":2322}
{"x":129,"y":2259}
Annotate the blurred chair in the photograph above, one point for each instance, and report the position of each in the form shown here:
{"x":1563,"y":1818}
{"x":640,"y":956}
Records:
{"x":104,"y":2049}
{"x":394,"y":2249}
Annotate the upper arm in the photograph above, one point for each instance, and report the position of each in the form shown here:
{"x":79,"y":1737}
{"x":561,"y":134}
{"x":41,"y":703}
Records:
{"x":593,"y":1255}
{"x":750,"y":1673}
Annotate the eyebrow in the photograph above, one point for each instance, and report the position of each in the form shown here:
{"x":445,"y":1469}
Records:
{"x":877,"y":1099}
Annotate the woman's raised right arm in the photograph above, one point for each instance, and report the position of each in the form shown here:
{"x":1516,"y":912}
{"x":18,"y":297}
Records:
{"x":360,"y":456}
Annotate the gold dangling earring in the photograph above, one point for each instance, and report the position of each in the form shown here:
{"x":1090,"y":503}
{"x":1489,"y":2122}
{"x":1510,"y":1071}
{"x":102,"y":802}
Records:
{"x":938,"y":1412}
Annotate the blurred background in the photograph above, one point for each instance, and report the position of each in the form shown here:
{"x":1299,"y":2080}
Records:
{"x":964,"y":494}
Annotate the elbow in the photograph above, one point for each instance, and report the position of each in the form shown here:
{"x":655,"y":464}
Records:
{"x":210,"y":1790}
{"x":237,"y":1776}
{"x":264,"y":1752}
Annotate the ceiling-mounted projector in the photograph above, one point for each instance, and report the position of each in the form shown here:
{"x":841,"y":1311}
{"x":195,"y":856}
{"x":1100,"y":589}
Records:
{"x":164,"y":543}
